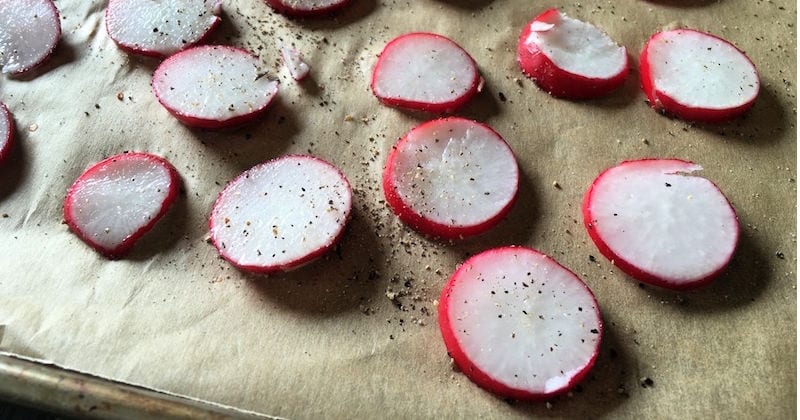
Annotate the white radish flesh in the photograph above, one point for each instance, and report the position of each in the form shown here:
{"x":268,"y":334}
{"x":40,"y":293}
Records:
{"x":662,"y":223}
{"x":519,"y":324}
{"x":160,"y":27}
{"x":281,"y":214}
{"x":294,"y":62}
{"x":29,"y":32}
{"x":6,"y":132}
{"x":451,"y":178}
{"x":213,"y":86}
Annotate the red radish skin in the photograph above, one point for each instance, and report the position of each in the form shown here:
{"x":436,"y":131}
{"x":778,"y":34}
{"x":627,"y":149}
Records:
{"x":737,"y":74}
{"x":574,"y":78}
{"x":213,"y":87}
{"x":425,"y":64}
{"x":438,"y":175}
{"x":307,"y":8}
{"x":501,"y":289}
{"x":671,"y":173}
{"x":29,"y":33}
{"x":161,"y":28}
{"x":101,"y":195}
{"x":299,"y":194}
{"x":6,"y":133}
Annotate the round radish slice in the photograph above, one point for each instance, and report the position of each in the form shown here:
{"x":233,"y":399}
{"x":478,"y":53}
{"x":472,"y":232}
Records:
{"x":213,"y":86}
{"x":160,"y":27}
{"x":306,"y":7}
{"x":451,"y":178}
{"x":569,"y":58}
{"x":661,"y":223}
{"x":281,"y":214}
{"x":425,"y":72}
{"x":117,"y":200}
{"x":6,"y":132}
{"x":29,"y":32}
{"x":519,"y":324}
{"x":697,"y":76}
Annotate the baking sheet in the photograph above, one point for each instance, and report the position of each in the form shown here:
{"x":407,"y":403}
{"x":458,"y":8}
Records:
{"x":355,"y":334}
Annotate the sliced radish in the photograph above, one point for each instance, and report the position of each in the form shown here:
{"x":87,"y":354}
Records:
{"x":160,"y":27}
{"x":281,"y":214}
{"x":117,"y":200}
{"x":6,"y":132}
{"x":519,"y":324}
{"x":213,"y":86}
{"x":451,"y":178}
{"x":697,"y":76}
{"x":426,"y":72}
{"x":661,"y":223}
{"x":306,"y":7}
{"x":294,"y":63}
{"x":29,"y":32}
{"x":569,"y":58}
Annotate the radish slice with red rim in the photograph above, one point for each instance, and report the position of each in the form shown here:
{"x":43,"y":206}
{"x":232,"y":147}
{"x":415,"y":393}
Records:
{"x":281,"y":214}
{"x":661,"y":223}
{"x":451,"y":178}
{"x":519,"y":324}
{"x":117,"y":200}
{"x":306,"y":7}
{"x":6,"y":132}
{"x":29,"y":33}
{"x":569,"y":58}
{"x":425,"y":72}
{"x":213,"y":86}
{"x":293,"y":61}
{"x":697,"y":76}
{"x":160,"y":27}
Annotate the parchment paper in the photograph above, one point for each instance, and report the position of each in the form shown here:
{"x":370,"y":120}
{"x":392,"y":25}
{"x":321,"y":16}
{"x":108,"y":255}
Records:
{"x":355,"y":334}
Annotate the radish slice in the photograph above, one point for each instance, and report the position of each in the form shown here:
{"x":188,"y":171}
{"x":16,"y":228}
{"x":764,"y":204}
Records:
{"x":697,"y":76}
{"x":213,"y":86}
{"x":425,"y":72}
{"x":661,"y":223}
{"x":451,"y":178}
{"x":117,"y":200}
{"x":6,"y":132}
{"x":306,"y":7}
{"x":569,"y":58}
{"x":29,"y":32}
{"x":281,"y":214}
{"x":519,"y":324}
{"x":160,"y":27}
{"x":294,"y":63}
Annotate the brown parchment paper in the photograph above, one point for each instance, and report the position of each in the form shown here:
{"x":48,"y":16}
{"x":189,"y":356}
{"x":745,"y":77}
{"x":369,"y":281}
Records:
{"x":355,"y":334}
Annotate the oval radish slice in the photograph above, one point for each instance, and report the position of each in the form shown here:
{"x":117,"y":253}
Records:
{"x":29,"y":32}
{"x":569,"y":58}
{"x":281,"y":214}
{"x":697,"y":76}
{"x":213,"y":86}
{"x":425,"y":72}
{"x":519,"y":324}
{"x":451,"y":178}
{"x":662,"y":224}
{"x":117,"y":200}
{"x":160,"y":27}
{"x":306,"y":7}
{"x":6,"y":132}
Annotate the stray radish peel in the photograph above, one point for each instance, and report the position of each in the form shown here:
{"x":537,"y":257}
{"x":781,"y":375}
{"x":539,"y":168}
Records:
{"x":519,"y":324}
{"x":425,"y":72}
{"x":213,"y":86}
{"x":6,"y":132}
{"x":281,"y":214}
{"x":569,"y":58}
{"x":294,"y":62}
{"x":661,"y":223}
{"x":160,"y":27}
{"x":451,"y":178}
{"x":29,"y":33}
{"x":697,"y":76}
{"x":117,"y":200}
{"x":307,"y":8}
